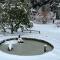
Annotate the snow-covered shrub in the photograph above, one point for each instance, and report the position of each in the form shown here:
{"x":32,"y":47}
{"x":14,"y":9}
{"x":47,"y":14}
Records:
{"x":57,"y":22}
{"x":30,"y":25}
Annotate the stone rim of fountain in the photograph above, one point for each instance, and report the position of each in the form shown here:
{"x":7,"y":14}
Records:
{"x":39,"y":40}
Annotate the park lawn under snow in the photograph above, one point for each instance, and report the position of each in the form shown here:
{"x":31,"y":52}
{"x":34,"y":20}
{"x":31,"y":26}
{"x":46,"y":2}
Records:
{"x":49,"y":33}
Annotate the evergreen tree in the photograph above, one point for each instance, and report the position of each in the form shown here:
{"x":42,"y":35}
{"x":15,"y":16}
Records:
{"x":15,"y":12}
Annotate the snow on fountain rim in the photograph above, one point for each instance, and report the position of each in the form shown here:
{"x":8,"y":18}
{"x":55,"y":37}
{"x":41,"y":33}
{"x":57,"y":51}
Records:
{"x":10,"y":42}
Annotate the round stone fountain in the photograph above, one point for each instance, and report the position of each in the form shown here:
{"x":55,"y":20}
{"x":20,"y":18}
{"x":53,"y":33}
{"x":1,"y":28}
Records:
{"x":29,"y":47}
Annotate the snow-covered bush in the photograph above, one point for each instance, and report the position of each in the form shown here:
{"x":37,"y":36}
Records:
{"x":57,"y":22}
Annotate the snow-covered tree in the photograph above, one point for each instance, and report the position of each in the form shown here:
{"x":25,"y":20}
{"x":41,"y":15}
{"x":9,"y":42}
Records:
{"x":15,"y":12}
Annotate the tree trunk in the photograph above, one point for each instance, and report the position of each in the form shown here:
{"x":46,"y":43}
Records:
{"x":3,"y":28}
{"x":15,"y":30}
{"x":12,"y":29}
{"x":16,"y":27}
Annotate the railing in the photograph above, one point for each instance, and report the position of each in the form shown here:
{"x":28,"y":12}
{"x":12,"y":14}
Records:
{"x":30,"y":31}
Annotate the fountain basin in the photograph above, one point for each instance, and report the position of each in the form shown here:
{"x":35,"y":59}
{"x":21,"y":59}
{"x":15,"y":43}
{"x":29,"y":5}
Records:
{"x":31,"y":46}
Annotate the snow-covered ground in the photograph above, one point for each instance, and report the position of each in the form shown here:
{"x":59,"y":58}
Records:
{"x":49,"y":33}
